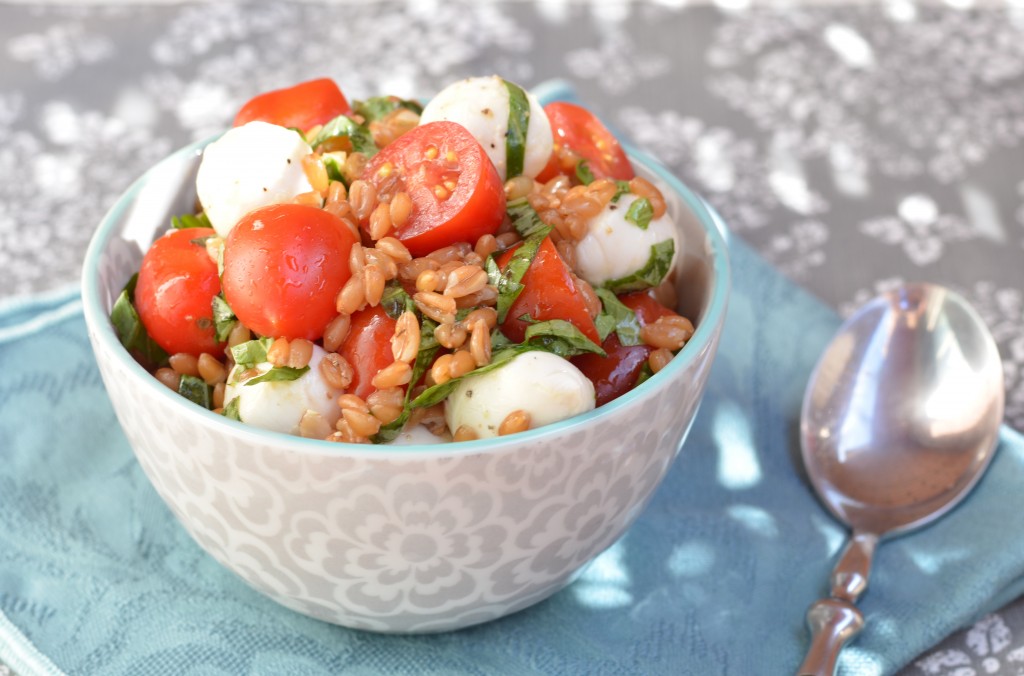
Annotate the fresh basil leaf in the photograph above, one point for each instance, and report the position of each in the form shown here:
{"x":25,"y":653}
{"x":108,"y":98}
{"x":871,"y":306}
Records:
{"x":499,"y":340}
{"x":184,"y":221}
{"x":583,"y":172}
{"x":196,"y":390}
{"x":640,"y":213}
{"x":437,"y":393}
{"x":224,"y":318}
{"x":251,"y":352}
{"x":508,"y":281}
{"x":377,"y":107}
{"x":359,"y":135}
{"x":621,"y":188}
{"x":525,"y":218}
{"x":334,"y":163}
{"x":644,"y":375}
{"x":562,"y":338}
{"x":518,"y":125}
{"x":395,"y":300}
{"x":231,"y":410}
{"x":615,"y":316}
{"x":650,"y":274}
{"x":278,"y":374}
{"x":427,"y":339}
{"x":130,"y":330}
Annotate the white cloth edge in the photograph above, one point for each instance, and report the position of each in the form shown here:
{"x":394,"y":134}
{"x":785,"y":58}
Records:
{"x":20,"y":654}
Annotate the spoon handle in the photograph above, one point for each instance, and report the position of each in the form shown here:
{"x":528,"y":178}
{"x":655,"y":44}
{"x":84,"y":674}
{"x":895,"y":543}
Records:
{"x":834,"y":621}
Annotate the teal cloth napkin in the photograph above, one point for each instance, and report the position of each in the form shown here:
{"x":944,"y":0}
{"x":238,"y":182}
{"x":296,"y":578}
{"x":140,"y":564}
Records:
{"x":714,"y":578}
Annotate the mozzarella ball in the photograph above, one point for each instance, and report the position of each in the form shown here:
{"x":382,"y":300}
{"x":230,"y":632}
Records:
{"x":418,"y":434}
{"x":250,"y":167}
{"x":614,"y":248}
{"x":280,"y":405}
{"x":480,"y":104}
{"x":542,"y":384}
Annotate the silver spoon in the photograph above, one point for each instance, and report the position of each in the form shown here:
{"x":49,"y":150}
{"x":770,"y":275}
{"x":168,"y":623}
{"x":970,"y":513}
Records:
{"x":900,"y":419}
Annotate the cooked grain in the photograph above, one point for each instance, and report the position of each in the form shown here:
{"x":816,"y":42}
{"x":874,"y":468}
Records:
{"x":670,"y":332}
{"x":336,"y":332}
{"x":336,"y":371}
{"x":184,"y":364}
{"x":406,"y":342}
{"x":211,"y":370}
{"x":516,"y":421}
{"x":394,"y":375}
{"x":659,"y":359}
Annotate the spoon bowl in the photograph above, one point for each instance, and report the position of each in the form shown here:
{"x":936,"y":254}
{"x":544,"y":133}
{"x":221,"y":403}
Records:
{"x":900,"y":419}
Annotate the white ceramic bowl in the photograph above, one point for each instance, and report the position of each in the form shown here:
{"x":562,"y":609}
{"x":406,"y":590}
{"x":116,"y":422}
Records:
{"x":412,"y":538}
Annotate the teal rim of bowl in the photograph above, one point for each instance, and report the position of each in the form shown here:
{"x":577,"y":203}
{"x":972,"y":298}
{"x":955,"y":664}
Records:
{"x":103,"y":331}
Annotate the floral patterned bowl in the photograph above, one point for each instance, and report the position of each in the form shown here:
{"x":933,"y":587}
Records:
{"x":411,"y":538}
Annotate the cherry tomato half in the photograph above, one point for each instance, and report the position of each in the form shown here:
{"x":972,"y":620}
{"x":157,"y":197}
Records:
{"x":303,"y":106}
{"x":367,"y":347}
{"x":617,"y":373}
{"x":456,"y":192}
{"x":549,"y":292}
{"x":175,"y":290}
{"x":578,"y":130}
{"x":284,"y":265}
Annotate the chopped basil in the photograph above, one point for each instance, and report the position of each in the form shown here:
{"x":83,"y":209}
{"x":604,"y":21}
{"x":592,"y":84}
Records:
{"x":196,"y":390}
{"x":560,"y":337}
{"x":650,"y":274}
{"x":437,"y":393}
{"x":645,"y":374}
{"x":395,"y":300}
{"x":359,"y":135}
{"x":190,"y":221}
{"x":224,"y":318}
{"x":621,"y":188}
{"x":583,"y":172}
{"x":518,"y":125}
{"x":278,"y":374}
{"x":508,"y":282}
{"x":301,"y":133}
{"x":499,"y":339}
{"x":615,"y":316}
{"x":334,"y":163}
{"x":231,"y":410}
{"x":640,"y":212}
{"x":377,"y":107}
{"x":251,"y":352}
{"x":129,"y":328}
{"x":525,"y":218}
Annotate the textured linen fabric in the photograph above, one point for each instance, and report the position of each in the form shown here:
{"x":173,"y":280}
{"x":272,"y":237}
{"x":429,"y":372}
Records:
{"x":714,"y":578}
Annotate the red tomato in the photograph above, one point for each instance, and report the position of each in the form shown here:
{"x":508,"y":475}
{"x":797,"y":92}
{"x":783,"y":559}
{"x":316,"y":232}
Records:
{"x":368,"y":347}
{"x":284,"y":265}
{"x":303,"y":106}
{"x":456,"y":192}
{"x":549,"y":292}
{"x":174,"y":295}
{"x":578,"y":130}
{"x":616,"y":374}
{"x":647,"y":309}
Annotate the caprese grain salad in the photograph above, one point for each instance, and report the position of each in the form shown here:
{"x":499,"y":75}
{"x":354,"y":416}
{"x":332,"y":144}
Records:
{"x":378,"y":271}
